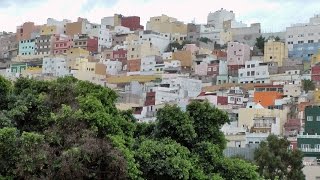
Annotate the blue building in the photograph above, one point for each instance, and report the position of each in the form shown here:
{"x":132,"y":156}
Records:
{"x":304,"y":51}
{"x":27,"y":47}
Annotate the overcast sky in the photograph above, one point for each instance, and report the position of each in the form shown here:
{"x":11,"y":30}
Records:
{"x":274,"y":15}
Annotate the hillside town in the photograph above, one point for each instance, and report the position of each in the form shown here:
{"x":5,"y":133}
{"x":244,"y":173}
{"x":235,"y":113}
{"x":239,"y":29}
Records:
{"x":266,"y":82}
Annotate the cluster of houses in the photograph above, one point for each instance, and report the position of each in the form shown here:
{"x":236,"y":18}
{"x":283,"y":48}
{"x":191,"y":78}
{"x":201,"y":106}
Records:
{"x":170,"y":62}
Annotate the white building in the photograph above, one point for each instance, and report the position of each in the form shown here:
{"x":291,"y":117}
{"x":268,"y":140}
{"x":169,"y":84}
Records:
{"x":112,"y":67}
{"x":102,"y":33}
{"x":217,"y":18}
{"x":210,"y":32}
{"x":122,"y":30}
{"x":167,"y":56}
{"x":159,"y":40}
{"x":172,"y":64}
{"x":303,"y":32}
{"x":254,"y":72}
{"x":60,"y":25}
{"x":150,"y":65}
{"x":177,"y":90}
{"x":55,"y":66}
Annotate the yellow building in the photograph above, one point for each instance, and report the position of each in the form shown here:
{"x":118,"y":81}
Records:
{"x":315,"y":58}
{"x":166,"y":24}
{"x":128,"y":79}
{"x":316,"y":96}
{"x":76,"y":53}
{"x":32,"y":72}
{"x":48,"y":30}
{"x":246,"y":116}
{"x":138,"y":50}
{"x":275,"y":51}
{"x":91,"y":71}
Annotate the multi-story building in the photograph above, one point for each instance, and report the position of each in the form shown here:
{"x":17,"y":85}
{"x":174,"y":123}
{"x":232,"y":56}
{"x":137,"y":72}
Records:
{"x":266,"y":95}
{"x":138,"y":50}
{"x":275,"y":51}
{"x":315,"y":73}
{"x":55,"y":66}
{"x":112,"y":20}
{"x":113,"y":67}
{"x":102,"y":32}
{"x":25,"y":31}
{"x":166,"y":24}
{"x":44,"y":45}
{"x":73,"y":55}
{"x":132,"y":22}
{"x":237,"y":54}
{"x":303,"y":39}
{"x":74,"y":28}
{"x":304,"y":51}
{"x":61,"y":44}
{"x":309,"y":140}
{"x":27,"y":47}
{"x":150,"y":65}
{"x":159,"y":40}
{"x":86,"y":42}
{"x":236,"y":97}
{"x":120,"y":55}
{"x":254,"y":72}
{"x":217,"y":18}
{"x":60,"y":25}
{"x":246,"y":35}
{"x":7,"y":41}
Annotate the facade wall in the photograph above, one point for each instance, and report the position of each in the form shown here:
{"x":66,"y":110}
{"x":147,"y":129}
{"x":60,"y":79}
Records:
{"x":246,"y":35}
{"x":48,"y":30}
{"x":61,"y":44}
{"x":159,"y":40}
{"x":185,"y":57}
{"x":55,"y":66}
{"x":27,"y":47}
{"x":132,"y":22}
{"x":75,"y":28}
{"x":44,"y":45}
{"x":217,"y":18}
{"x":134,"y":65}
{"x":304,"y":51}
{"x":254,"y":72}
{"x":275,"y":52}
{"x":24,"y":32}
{"x":237,"y":53}
{"x":315,"y":73}
{"x":166,"y":24}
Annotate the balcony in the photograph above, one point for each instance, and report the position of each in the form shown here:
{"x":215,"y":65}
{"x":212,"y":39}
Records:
{"x":308,"y":136}
{"x":310,"y":150}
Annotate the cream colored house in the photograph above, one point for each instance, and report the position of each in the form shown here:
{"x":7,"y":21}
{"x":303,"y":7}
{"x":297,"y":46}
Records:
{"x":247,"y":115}
{"x":275,"y":51}
{"x":166,"y":24}
{"x":138,"y":50}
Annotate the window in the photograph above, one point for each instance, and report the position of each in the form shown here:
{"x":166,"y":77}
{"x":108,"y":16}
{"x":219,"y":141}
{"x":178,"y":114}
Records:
{"x":252,"y":65}
{"x":310,"y":34}
{"x":248,"y":73}
{"x":317,"y":146}
{"x":301,"y":35}
{"x":309,"y":118}
{"x":231,"y":98}
{"x":318,"y":118}
{"x":248,"y":66}
{"x":310,"y":41}
{"x":132,"y":49}
{"x":300,"y":42}
{"x":270,"y":57}
{"x":290,"y":36}
{"x":235,"y":52}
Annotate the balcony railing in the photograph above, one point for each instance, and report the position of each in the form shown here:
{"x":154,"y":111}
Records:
{"x":308,"y":136}
{"x":310,"y":150}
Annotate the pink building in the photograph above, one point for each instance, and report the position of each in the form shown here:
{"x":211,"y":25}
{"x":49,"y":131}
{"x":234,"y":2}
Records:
{"x":201,"y":69}
{"x":61,"y":43}
{"x":237,"y":53}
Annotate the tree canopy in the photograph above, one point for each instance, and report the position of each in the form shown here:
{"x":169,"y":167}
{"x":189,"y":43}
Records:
{"x":260,"y":43}
{"x":70,"y":129}
{"x":276,"y":161}
{"x":308,"y":85}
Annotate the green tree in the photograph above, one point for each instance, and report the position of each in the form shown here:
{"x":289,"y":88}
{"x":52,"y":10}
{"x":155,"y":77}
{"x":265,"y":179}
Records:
{"x":205,"y":40}
{"x":308,"y":85}
{"x":277,"y":39}
{"x":173,"y":123}
{"x":5,"y":89}
{"x":260,"y":43}
{"x":275,"y":160}
{"x":207,"y":121}
{"x":164,"y":159}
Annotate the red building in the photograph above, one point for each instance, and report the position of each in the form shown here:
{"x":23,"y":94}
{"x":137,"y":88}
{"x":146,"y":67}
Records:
{"x":132,"y":22}
{"x":120,"y":55}
{"x":315,"y":73}
{"x":213,"y":69}
{"x":150,"y":99}
{"x":234,"y":69}
{"x":61,"y":43}
{"x":219,"y":53}
{"x":85,"y":42}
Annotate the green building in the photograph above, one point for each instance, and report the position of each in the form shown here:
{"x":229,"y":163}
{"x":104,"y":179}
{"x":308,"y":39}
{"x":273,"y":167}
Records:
{"x":309,"y":141}
{"x":18,"y":68}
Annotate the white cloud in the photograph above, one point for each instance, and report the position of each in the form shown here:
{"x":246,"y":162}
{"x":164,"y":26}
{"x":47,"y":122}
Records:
{"x":273,"y":14}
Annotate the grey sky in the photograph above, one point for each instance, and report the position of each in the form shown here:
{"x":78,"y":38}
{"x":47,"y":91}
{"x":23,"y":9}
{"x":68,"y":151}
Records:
{"x":274,"y":15}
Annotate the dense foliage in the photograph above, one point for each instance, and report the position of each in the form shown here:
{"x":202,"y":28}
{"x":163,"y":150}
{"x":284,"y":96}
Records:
{"x":276,"y":161}
{"x":70,"y":129}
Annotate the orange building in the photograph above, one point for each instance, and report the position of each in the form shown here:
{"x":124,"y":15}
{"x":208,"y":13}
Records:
{"x":134,"y":65}
{"x":267,"y":94}
{"x":185,"y":57}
